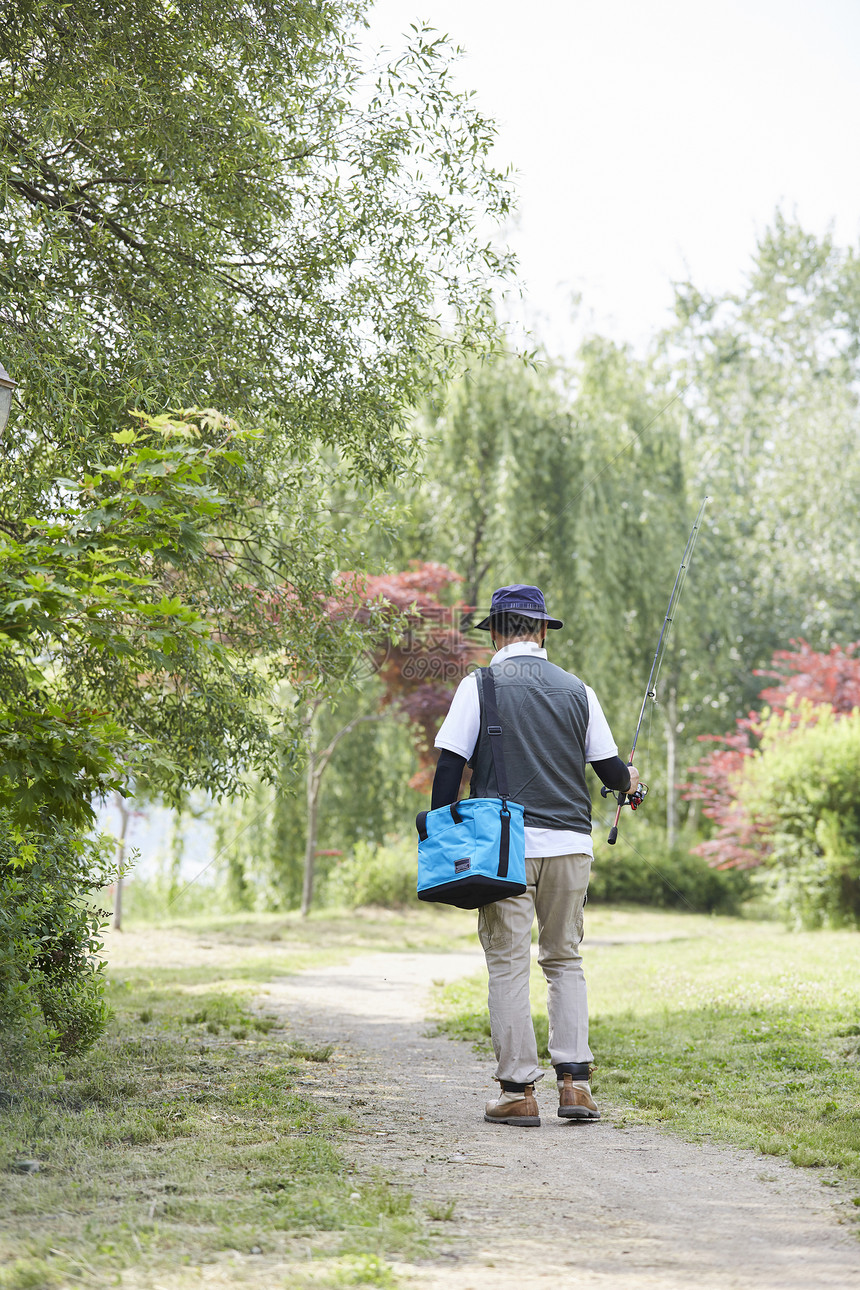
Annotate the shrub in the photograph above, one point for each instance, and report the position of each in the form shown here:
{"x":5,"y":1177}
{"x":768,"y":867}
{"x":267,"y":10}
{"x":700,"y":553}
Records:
{"x":159,"y":897}
{"x":800,"y":792}
{"x":668,"y":877}
{"x":51,"y":1000}
{"x":650,"y":875}
{"x":807,"y":680}
{"x":375,"y":875}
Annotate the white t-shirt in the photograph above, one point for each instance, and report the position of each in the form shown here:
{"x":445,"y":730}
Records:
{"x":459,"y":734}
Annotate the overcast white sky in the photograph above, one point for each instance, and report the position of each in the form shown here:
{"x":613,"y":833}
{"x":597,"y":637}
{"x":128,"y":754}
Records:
{"x":655,"y":138}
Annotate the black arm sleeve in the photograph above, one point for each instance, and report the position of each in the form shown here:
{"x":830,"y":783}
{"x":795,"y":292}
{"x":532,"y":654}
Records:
{"x":614,"y":773}
{"x":446,"y":781}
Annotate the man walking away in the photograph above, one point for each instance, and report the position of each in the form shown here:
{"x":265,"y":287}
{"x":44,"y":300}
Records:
{"x":552,"y":726}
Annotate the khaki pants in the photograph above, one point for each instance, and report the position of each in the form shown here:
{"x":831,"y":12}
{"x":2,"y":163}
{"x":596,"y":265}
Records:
{"x":556,"y":893}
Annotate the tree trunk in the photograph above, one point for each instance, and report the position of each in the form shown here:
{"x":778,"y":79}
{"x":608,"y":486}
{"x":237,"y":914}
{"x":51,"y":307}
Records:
{"x":475,"y":570}
{"x":117,"y":906}
{"x":312,"y":792}
{"x":671,"y":753}
{"x":125,"y":816}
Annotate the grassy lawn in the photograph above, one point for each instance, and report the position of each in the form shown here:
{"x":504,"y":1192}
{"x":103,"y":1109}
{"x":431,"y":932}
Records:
{"x":197,"y":1134}
{"x":724,"y":1028}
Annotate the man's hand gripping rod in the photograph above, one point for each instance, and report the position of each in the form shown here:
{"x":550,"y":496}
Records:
{"x":635,"y":799}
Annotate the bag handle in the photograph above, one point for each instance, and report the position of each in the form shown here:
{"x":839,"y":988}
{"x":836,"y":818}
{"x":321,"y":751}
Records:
{"x":494,"y":730}
{"x":421,"y":821}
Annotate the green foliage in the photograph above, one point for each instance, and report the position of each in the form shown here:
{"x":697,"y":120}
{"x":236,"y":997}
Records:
{"x":366,"y":1270}
{"x":162,"y":897}
{"x":364,"y":796}
{"x":613,"y":556}
{"x":109,"y":644}
{"x":375,"y":875}
{"x":585,"y":480}
{"x":801,"y":788}
{"x":184,"y":192}
{"x":772,"y":373}
{"x":29,"y":1274}
{"x":644,"y":870}
{"x":488,"y":438}
{"x":51,"y":983}
{"x":366,"y":792}
{"x":57,"y":755}
{"x":521,"y":484}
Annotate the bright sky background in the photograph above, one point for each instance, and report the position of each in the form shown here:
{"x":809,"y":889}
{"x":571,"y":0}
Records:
{"x":654,"y":139}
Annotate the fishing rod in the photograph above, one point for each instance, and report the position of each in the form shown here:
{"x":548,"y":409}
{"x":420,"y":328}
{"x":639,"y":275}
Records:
{"x":634,"y":800}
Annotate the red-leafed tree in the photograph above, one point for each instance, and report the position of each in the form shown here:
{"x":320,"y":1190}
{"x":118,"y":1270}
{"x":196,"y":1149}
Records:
{"x":412,"y":640}
{"x":802,"y":673}
{"x":430,"y":655}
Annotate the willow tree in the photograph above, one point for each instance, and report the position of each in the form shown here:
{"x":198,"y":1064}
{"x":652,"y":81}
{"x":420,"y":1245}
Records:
{"x":571,"y":478}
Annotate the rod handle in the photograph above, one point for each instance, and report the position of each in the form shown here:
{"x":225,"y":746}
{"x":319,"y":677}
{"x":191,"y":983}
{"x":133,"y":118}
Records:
{"x":613,"y":836}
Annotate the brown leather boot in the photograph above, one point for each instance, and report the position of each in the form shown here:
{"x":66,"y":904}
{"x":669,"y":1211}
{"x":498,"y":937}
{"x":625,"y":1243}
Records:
{"x":514,"y":1108}
{"x":575,"y":1101}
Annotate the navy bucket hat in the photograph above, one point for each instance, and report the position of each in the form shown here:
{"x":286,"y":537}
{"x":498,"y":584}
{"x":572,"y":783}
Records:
{"x":518,"y":599}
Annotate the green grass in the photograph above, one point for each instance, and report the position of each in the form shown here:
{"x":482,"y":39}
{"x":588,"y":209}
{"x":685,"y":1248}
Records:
{"x":196,"y":1130}
{"x":734,"y":1030}
{"x":199,"y":1131}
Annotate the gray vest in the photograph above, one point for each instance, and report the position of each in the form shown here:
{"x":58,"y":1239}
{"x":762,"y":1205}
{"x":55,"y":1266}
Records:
{"x":543,"y":712}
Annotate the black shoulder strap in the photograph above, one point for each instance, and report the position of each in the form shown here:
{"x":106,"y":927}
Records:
{"x":494,"y":730}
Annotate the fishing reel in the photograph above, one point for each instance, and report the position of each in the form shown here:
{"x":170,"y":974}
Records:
{"x":633,"y":800}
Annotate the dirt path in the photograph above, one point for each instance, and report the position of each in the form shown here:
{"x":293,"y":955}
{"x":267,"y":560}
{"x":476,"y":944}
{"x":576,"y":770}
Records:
{"x":607,"y":1206}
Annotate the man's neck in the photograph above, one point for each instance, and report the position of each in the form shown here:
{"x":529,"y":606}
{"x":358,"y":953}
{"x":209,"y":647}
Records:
{"x":501,"y":642}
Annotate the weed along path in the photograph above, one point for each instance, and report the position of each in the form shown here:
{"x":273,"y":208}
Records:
{"x":605,"y":1204}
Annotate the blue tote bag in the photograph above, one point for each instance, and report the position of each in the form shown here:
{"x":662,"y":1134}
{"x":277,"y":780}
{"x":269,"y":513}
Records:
{"x":472,"y":853}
